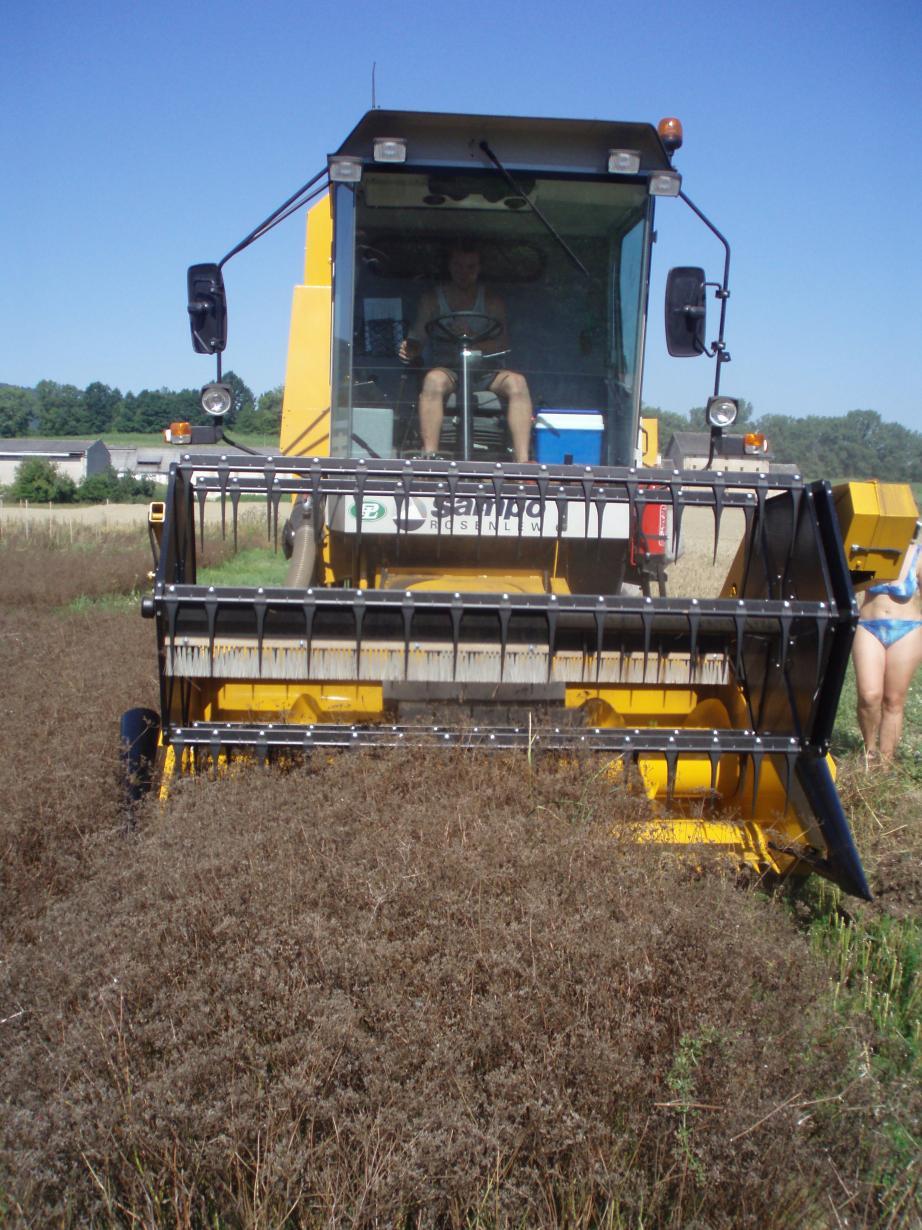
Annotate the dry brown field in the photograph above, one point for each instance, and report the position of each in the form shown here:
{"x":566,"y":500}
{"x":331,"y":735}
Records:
{"x":377,"y":991}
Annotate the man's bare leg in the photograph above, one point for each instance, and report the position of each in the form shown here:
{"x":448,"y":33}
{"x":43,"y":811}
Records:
{"x":514,"y":387}
{"x":437,"y":384}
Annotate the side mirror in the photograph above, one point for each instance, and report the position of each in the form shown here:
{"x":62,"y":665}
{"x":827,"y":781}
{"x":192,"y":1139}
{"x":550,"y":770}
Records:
{"x":207,"y":308}
{"x":685,"y":312}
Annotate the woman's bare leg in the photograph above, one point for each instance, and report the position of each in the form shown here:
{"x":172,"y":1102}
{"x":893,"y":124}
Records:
{"x":902,"y":659}
{"x":870,"y":659}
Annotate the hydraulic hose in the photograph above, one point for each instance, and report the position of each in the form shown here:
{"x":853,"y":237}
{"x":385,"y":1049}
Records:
{"x":303,"y":560}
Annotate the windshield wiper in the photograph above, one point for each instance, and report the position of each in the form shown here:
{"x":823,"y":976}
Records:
{"x":547,"y":223}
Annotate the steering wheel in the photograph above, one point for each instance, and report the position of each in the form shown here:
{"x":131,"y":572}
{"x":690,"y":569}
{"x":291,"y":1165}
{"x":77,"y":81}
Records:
{"x":465,"y":327}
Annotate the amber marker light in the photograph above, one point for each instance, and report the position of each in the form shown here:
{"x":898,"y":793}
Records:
{"x":670,"y":133}
{"x":755,"y":442}
{"x":178,"y":433}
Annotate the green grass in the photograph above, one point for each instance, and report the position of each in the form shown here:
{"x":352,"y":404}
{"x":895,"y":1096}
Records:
{"x":253,"y":566}
{"x":874,"y":952}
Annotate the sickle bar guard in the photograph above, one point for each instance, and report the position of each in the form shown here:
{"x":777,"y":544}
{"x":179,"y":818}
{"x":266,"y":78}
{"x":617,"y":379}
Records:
{"x":720,"y":709}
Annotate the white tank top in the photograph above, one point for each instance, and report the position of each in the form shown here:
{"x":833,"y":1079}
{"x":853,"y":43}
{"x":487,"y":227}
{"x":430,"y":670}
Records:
{"x":443,"y":352}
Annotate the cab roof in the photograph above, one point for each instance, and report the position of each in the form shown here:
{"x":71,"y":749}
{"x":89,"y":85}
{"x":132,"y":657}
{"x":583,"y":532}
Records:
{"x":444,"y":139}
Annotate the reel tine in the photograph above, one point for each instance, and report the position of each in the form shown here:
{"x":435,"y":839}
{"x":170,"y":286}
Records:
{"x":438,"y":528}
{"x":671,"y":756}
{"x":201,"y":495}
{"x":561,"y":502}
{"x":268,"y":479}
{"x":739,"y":620}
{"x":315,"y":476}
{"x":478,"y":504}
{"x":717,"y":490}
{"x":743,"y":763}
{"x":820,"y":645}
{"x":542,"y":502}
{"x":504,"y":615}
{"x":214,"y":748}
{"x":714,"y":758}
{"x":790,"y":763}
{"x":694,"y":620}
{"x":630,"y":487}
{"x":784,"y":622}
{"x":235,"y":513}
{"x":763,"y":541}
{"x":520,"y":521}
{"x":600,"y":503}
{"x":452,"y":492}
{"x":360,"y":519}
{"x":599,"y":614}
{"x":309,"y":606}
{"x":457,"y":613}
{"x":259,"y":606}
{"x":222,"y":483}
{"x":358,"y":613}
{"x":497,"y":482}
{"x":408,"y":610}
{"x":172,"y":611}
{"x":756,"y":756}
{"x":587,"y":485}
{"x":211,"y":614}
{"x":276,"y":500}
{"x":646,"y":619}
{"x":678,"y":506}
{"x":551,"y":636}
{"x":179,"y":752}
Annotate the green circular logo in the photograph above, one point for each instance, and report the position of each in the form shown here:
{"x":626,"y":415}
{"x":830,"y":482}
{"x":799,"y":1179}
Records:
{"x":372,"y":510}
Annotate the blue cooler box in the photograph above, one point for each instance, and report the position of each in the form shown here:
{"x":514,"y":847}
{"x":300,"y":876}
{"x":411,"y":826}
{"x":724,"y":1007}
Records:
{"x":565,"y":436}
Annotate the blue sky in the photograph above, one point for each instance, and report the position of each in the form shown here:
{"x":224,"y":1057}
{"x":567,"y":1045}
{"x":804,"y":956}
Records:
{"x":137,"y":139}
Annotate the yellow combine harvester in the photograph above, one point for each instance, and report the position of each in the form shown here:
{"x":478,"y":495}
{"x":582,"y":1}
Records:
{"x":441,"y":592}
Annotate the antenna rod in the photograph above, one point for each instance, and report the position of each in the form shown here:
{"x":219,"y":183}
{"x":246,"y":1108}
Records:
{"x":374,"y":104}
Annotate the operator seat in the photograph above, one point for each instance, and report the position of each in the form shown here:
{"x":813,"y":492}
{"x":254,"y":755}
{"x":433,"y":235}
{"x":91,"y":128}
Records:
{"x":490,"y":434}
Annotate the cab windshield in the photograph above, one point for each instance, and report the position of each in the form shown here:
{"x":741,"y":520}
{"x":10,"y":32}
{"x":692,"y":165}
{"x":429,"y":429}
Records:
{"x":575,"y":334}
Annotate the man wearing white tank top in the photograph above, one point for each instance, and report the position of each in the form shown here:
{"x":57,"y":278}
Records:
{"x":464,"y":293}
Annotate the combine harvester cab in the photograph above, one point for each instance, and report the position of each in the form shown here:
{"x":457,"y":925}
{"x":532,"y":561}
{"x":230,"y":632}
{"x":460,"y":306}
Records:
{"x":469,"y":599}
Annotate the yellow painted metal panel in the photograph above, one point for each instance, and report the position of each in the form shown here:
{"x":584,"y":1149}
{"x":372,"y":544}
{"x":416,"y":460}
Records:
{"x":649,"y":434}
{"x":306,"y":405}
{"x":876,"y":519}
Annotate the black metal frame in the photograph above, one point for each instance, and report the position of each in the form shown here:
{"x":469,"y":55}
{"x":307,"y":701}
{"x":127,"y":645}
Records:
{"x":787,"y":633}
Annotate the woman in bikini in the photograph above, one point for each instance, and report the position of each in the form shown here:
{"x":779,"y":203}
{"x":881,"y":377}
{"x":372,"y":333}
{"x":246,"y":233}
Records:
{"x":886,"y":652}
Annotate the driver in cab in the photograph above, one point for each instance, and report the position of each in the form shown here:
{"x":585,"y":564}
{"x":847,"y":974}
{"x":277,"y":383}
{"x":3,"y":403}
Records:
{"x":463,"y":293}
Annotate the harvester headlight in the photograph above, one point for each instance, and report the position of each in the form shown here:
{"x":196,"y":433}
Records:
{"x":665,"y":183}
{"x":722,"y":411}
{"x":217,"y":399}
{"x":390,"y":149}
{"x":623,"y":161}
{"x":344,"y":170}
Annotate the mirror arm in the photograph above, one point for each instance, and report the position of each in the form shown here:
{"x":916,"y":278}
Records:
{"x":719,"y":348}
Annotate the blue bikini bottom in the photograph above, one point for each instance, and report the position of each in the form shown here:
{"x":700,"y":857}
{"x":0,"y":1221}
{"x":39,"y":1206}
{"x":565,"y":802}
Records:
{"x":889,"y":631}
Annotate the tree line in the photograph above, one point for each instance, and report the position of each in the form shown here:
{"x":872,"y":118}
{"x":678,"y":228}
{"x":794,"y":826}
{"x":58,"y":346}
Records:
{"x":56,"y":410}
{"x":859,"y":443}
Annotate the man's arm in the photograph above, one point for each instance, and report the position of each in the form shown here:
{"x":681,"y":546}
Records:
{"x":412,"y":345}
